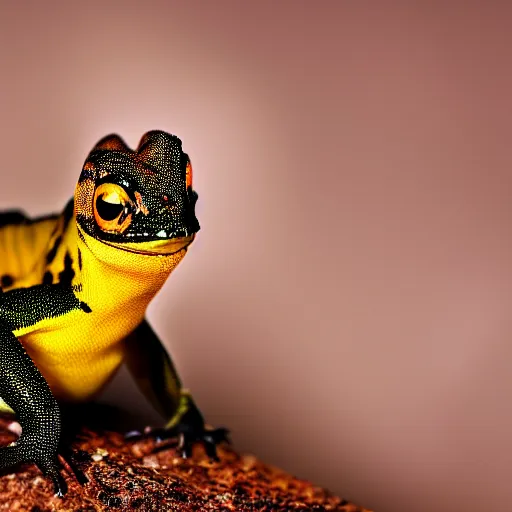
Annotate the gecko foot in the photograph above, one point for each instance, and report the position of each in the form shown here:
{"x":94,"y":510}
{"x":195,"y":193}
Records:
{"x":15,"y":454}
{"x":209,"y":439}
{"x":186,"y":437}
{"x":50,"y":469}
{"x":189,"y":430}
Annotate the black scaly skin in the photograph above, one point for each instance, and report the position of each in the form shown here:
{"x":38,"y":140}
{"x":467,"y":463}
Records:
{"x":37,"y":410}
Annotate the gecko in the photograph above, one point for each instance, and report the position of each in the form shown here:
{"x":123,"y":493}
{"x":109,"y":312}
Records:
{"x":75,"y":287}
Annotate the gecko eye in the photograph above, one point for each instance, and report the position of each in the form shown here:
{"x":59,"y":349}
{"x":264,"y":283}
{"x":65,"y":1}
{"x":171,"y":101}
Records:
{"x":112,"y":208}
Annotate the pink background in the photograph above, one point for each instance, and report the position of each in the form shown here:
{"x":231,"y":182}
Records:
{"x":346,"y":308}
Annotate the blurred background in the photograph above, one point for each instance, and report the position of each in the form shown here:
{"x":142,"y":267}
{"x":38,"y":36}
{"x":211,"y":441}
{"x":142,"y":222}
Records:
{"x":346,"y":308}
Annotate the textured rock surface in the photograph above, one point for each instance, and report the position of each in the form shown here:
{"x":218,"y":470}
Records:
{"x":133,"y":476}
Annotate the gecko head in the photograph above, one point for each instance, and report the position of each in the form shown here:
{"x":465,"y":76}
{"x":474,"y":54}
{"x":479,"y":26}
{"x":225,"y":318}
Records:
{"x":138,"y":200}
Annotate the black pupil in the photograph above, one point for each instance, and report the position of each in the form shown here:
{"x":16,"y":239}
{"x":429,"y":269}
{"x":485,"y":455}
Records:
{"x":108,"y":211}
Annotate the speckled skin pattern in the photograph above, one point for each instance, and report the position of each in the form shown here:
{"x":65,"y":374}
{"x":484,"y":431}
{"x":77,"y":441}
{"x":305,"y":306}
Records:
{"x":75,"y":288}
{"x":39,"y":414}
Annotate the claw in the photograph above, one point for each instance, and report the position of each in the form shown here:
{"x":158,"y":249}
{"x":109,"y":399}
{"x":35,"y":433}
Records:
{"x":69,"y":457}
{"x":186,"y":452}
{"x":211,"y":450}
{"x":50,"y":469}
{"x":209,"y":439}
{"x":59,"y":485}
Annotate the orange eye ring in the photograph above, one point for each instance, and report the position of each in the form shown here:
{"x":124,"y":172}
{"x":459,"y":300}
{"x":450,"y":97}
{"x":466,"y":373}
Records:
{"x":112,"y":208}
{"x":188,"y":174}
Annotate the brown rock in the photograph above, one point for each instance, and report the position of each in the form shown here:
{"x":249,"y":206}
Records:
{"x":141,"y":476}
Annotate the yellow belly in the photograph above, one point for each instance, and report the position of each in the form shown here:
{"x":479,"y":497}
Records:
{"x":76,"y":355}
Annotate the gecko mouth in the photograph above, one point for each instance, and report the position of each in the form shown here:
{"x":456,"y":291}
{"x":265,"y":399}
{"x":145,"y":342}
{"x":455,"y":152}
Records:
{"x":152,"y":247}
{"x":161,"y":236}
{"x":155,"y":247}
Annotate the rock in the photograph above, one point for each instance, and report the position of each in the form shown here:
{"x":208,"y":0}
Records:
{"x":145,"y":476}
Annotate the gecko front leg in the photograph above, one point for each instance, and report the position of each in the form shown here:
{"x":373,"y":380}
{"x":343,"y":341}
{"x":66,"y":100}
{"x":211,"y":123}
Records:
{"x":26,"y":391}
{"x":156,"y":376}
{"x":22,"y":386}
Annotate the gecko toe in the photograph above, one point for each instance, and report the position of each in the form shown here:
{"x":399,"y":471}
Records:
{"x":209,"y":438}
